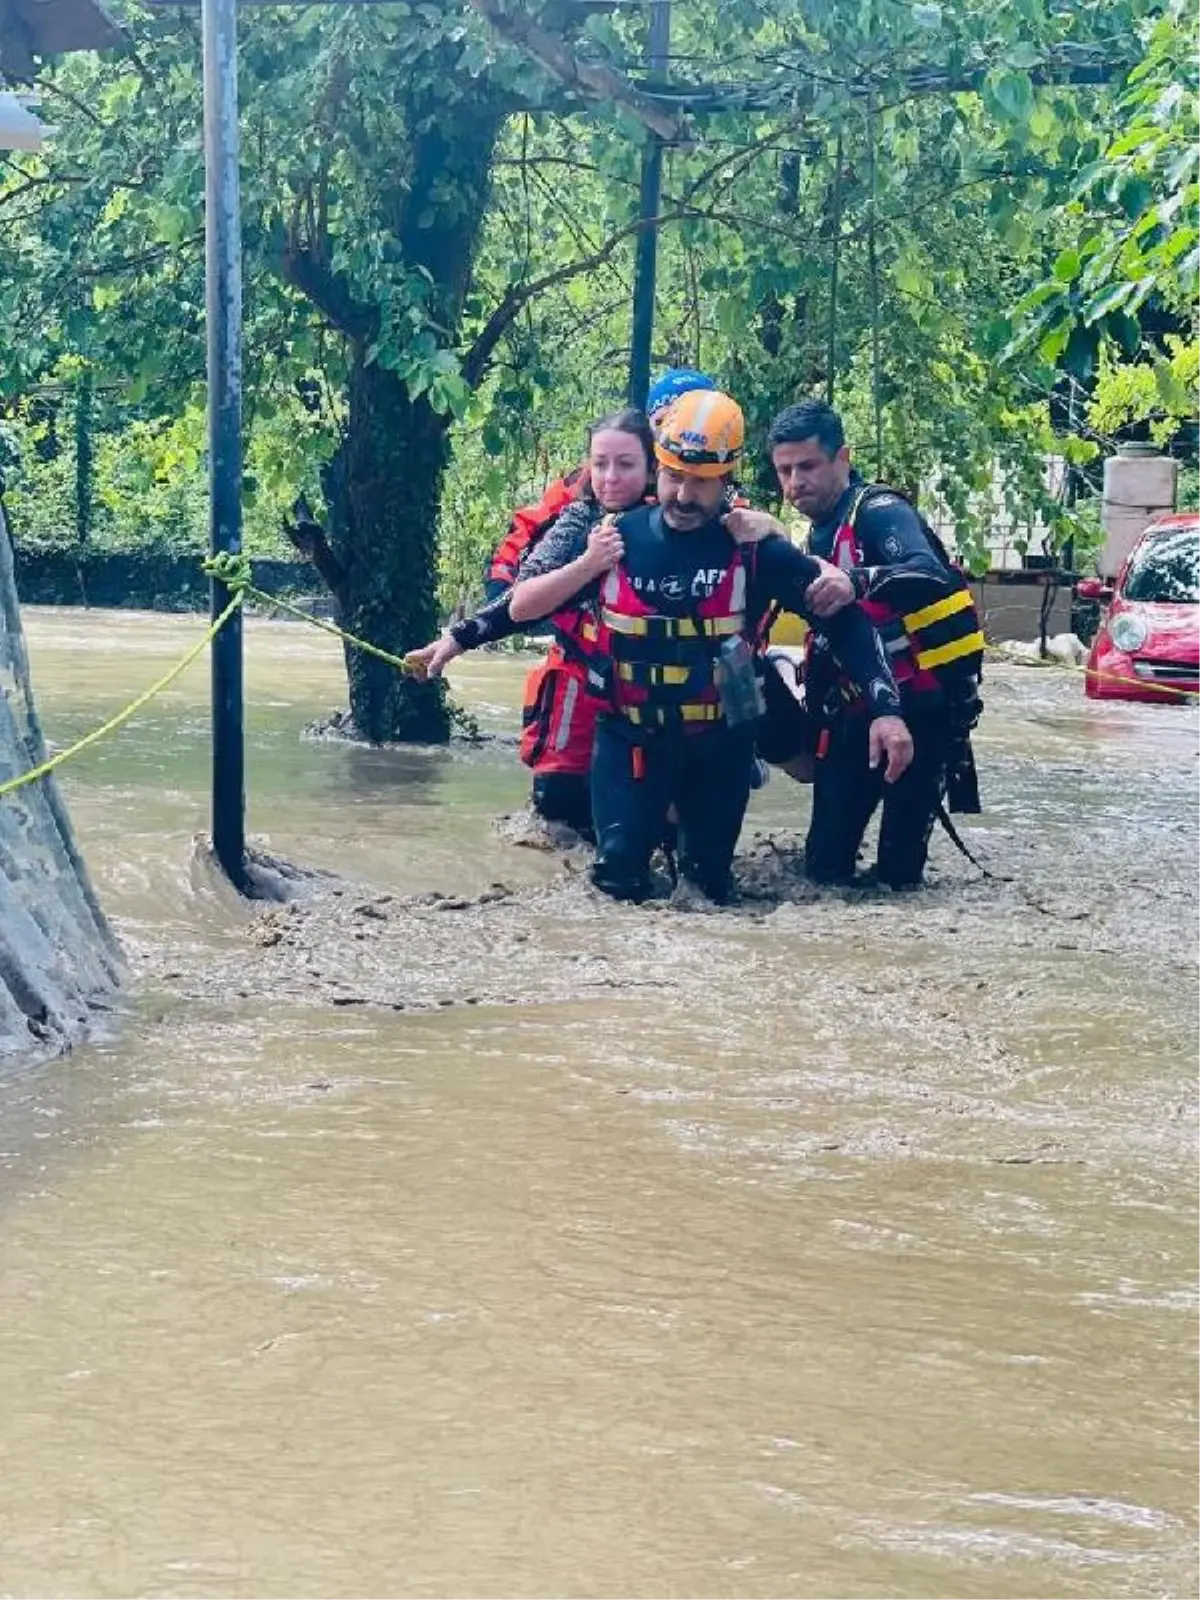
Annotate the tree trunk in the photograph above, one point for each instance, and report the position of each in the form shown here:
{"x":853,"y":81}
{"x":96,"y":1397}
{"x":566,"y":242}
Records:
{"x":385,"y":535}
{"x":384,"y":486}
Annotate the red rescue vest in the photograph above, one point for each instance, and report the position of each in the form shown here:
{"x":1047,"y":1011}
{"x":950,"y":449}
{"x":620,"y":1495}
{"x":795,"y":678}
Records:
{"x":527,"y":526}
{"x":924,"y":645}
{"x":558,"y":719}
{"x":660,"y":668}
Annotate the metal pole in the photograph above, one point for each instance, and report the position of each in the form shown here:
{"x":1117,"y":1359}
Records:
{"x":836,"y":230}
{"x":658,"y":51}
{"x":223,"y":303}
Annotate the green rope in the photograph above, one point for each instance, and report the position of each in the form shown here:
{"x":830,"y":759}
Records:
{"x":233,"y":570}
{"x":331,"y":627}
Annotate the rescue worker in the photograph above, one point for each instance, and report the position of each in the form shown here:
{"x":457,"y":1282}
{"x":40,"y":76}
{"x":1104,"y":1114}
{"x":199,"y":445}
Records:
{"x":527,"y":526}
{"x":667,"y":609}
{"x":877,"y":552}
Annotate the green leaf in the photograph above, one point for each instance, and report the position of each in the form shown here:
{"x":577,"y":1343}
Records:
{"x":1183,"y":165}
{"x":1080,"y":351}
{"x":1110,"y":299}
{"x":1067,"y":265}
{"x":1174,"y":394}
{"x":1125,"y":331}
{"x":1135,"y":195}
{"x":1189,"y":270}
{"x":1010,"y":93}
{"x":1024,"y":54}
{"x":1052,"y":343}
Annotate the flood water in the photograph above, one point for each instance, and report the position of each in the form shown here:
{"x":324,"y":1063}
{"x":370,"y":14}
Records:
{"x":522,"y":1244}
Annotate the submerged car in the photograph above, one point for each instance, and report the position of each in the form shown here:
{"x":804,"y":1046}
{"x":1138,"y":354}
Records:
{"x":1148,"y":644}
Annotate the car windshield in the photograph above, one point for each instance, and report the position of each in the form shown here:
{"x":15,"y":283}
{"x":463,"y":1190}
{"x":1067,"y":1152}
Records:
{"x":1166,"y":569}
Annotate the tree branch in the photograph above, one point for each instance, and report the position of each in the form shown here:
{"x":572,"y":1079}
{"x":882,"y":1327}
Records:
{"x":308,"y":537}
{"x":48,"y":86}
{"x":38,"y":183}
{"x":328,"y":291}
{"x":598,"y":82}
{"x":476,"y":360}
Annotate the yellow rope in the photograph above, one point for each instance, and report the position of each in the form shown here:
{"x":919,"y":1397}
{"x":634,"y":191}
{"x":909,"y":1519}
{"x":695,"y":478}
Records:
{"x":1090,"y":672}
{"x":330,"y":627}
{"x":234,"y":572}
{"x":130,"y":710}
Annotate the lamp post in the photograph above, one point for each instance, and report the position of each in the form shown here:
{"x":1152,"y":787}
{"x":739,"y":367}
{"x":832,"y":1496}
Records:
{"x":646,"y":261}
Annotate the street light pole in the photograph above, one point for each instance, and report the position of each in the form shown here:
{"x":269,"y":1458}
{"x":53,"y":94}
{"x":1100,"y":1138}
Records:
{"x":658,"y":52}
{"x":223,"y":305}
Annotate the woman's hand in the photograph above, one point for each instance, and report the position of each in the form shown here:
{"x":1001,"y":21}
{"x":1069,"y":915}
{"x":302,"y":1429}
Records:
{"x":431,"y":660}
{"x":605,"y":548}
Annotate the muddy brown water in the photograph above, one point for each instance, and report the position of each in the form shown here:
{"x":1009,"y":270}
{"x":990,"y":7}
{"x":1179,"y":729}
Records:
{"x":456,"y":1232}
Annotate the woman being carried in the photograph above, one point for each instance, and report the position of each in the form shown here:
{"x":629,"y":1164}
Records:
{"x":559,"y":715}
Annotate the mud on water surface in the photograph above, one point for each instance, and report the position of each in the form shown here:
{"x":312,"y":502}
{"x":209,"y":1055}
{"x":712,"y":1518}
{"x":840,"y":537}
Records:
{"x":1087,"y":923}
{"x":466,"y":1232}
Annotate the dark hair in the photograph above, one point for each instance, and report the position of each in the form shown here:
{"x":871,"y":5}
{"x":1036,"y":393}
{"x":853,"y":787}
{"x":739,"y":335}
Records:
{"x":631,"y":421}
{"x":809,"y":419}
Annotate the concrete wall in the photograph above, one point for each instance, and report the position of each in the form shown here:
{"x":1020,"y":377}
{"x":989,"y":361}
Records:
{"x":1010,"y":606}
{"x":150,"y":580}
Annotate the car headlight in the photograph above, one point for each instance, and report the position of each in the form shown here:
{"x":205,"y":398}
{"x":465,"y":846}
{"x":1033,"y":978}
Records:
{"x":1128,"y":632}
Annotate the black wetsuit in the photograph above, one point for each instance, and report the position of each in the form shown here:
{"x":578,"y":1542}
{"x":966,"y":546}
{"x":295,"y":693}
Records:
{"x":904,"y":567}
{"x":701,"y":769}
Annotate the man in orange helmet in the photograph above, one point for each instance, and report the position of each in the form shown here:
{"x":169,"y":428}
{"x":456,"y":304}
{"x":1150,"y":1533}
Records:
{"x":669,"y":608}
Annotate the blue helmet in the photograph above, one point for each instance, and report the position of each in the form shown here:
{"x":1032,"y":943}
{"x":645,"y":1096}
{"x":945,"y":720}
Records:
{"x":674,"y":382}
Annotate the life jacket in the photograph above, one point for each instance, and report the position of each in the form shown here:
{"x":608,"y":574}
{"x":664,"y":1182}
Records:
{"x":932,"y":647}
{"x":654,"y":669}
{"x":527,"y":526}
{"x":558,"y":718}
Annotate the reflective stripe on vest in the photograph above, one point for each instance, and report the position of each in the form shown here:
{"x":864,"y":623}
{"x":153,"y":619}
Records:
{"x":567,"y":714}
{"x":671,"y":627}
{"x":659,"y":716}
{"x":559,"y":717}
{"x":917,"y":642}
{"x":662,"y":668}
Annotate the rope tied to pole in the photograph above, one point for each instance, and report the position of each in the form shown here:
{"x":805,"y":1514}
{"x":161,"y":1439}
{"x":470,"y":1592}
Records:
{"x":156,"y":688}
{"x":230,"y":568}
{"x":234,"y":571}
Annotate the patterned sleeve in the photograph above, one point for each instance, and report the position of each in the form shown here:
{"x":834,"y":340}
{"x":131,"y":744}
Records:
{"x":563,"y":543}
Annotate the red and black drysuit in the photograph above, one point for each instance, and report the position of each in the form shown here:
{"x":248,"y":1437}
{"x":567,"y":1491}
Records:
{"x":922,"y":606}
{"x":559,"y":712}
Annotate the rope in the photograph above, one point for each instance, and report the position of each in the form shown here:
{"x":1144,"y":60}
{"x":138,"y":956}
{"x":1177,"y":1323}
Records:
{"x":330,"y":627}
{"x":113,"y":723}
{"x":1090,"y":672}
{"x":232,"y":570}
{"x":960,"y":844}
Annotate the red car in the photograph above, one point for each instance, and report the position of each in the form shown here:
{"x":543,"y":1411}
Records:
{"x":1148,"y":644}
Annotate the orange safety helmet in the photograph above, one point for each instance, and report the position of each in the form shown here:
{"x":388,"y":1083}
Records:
{"x":702,"y":435}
